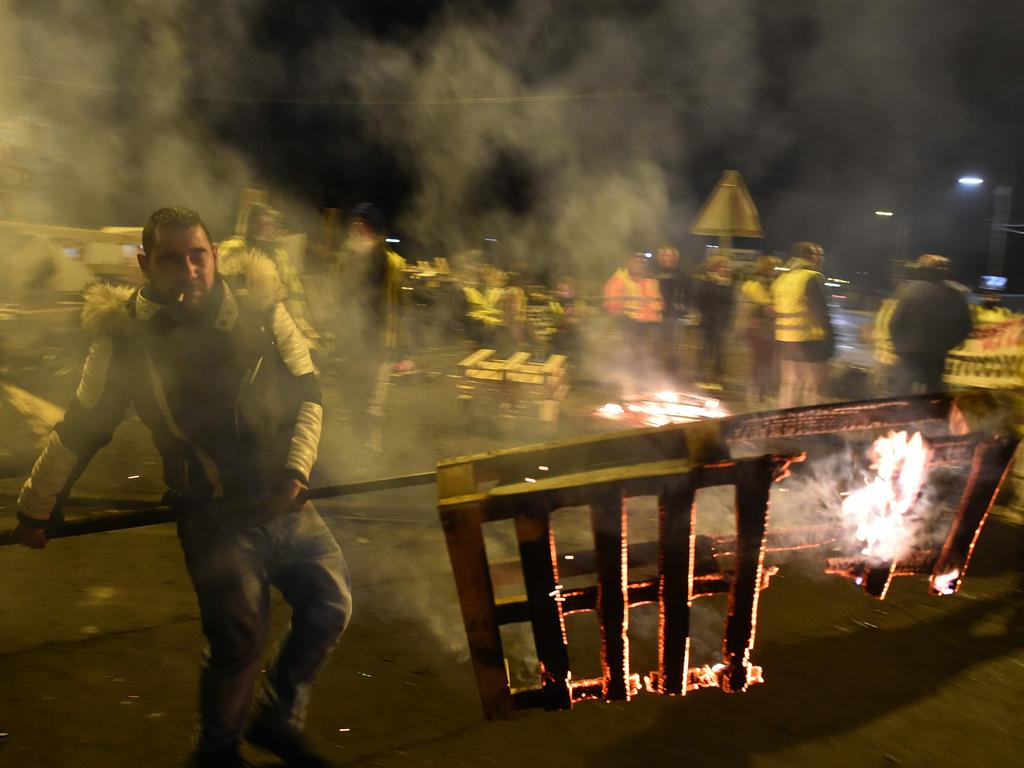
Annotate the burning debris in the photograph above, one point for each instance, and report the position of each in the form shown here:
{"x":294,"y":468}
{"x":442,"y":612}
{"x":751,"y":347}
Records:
{"x":887,"y":510}
{"x":662,"y":408}
{"x":672,"y":463}
{"x":881,"y":508}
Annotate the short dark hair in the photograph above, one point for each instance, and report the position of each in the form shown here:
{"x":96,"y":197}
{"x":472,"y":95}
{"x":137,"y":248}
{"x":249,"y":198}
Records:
{"x":371,"y":215}
{"x":170,"y":218}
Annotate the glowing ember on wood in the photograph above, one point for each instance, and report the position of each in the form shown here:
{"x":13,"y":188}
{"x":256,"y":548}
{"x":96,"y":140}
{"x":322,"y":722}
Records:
{"x":945,"y":584}
{"x":610,"y":469}
{"x":662,"y":408}
{"x":881,"y":507}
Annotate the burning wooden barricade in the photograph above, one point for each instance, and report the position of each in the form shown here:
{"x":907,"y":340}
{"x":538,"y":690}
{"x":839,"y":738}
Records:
{"x":530,"y":485}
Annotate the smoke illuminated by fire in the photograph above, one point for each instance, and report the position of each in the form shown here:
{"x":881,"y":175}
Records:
{"x":881,"y":507}
{"x":662,"y":408}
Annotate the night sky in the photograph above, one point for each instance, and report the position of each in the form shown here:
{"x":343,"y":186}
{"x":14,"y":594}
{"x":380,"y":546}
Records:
{"x":831,"y":109}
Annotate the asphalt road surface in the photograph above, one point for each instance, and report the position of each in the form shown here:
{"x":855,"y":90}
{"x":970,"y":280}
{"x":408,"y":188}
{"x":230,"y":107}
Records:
{"x":100,"y":642}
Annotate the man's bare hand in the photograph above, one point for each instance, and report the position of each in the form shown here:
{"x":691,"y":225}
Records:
{"x":285,"y":495}
{"x":30,"y":536}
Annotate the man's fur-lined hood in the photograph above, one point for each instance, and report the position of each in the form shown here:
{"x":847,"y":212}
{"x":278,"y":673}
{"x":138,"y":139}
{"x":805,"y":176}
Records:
{"x":105,"y":312}
{"x":254,"y":279}
{"x":254,"y":282}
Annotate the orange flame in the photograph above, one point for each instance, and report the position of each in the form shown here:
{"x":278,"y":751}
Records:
{"x":881,"y":507}
{"x":663,"y":408}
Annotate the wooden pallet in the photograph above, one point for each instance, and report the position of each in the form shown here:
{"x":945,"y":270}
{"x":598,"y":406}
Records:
{"x":516,"y":386}
{"x":530,"y":485}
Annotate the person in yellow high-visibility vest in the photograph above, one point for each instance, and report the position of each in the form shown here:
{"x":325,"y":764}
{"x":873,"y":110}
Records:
{"x":369,"y":278}
{"x":756,"y":321}
{"x":803,"y":328}
{"x":884,"y":353}
{"x":260,"y":236}
{"x":989,"y":310}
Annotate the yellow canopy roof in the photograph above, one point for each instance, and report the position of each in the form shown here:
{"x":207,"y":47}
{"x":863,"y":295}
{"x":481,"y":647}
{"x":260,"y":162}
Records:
{"x":729,"y":211}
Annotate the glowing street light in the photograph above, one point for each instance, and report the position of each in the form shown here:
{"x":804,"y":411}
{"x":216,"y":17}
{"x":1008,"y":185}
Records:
{"x":1003,"y":194}
{"x":883,"y":213}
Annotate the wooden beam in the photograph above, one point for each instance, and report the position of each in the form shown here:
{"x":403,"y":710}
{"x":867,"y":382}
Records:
{"x":540,"y":572}
{"x":753,"y":485}
{"x":608,"y":520}
{"x":676,"y":514}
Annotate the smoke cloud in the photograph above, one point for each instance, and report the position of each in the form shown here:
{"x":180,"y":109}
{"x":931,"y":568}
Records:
{"x":573,"y":132}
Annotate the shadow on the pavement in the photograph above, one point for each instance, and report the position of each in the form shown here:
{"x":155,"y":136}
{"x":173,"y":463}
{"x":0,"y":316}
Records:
{"x":877,"y":673}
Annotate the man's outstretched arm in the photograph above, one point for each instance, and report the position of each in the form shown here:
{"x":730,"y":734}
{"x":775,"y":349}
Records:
{"x":97,"y":408}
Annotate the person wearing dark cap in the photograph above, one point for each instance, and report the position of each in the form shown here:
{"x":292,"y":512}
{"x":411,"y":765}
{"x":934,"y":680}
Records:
{"x":367,"y":324}
{"x":931,"y":317}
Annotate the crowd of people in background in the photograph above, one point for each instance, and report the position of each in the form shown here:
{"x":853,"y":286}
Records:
{"x":779,"y":311}
{"x":758,"y":330}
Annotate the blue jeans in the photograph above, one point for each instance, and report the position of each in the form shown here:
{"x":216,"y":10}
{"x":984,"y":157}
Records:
{"x":232,"y":571}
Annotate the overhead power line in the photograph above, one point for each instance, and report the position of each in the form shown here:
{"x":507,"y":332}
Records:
{"x":375,"y":102}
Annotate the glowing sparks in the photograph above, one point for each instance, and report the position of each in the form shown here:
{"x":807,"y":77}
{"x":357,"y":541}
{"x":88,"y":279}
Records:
{"x":663,"y":408}
{"x":881,"y":507}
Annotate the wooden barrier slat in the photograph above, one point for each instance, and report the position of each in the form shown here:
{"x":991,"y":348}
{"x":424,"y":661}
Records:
{"x":753,"y":485}
{"x":537,"y":553}
{"x":463,"y":530}
{"x":989,"y":467}
{"x":675,"y":587}
{"x":608,"y":520}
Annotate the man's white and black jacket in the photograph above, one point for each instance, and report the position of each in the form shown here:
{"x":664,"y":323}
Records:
{"x":231,"y":398}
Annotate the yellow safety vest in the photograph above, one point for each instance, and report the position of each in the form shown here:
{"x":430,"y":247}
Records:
{"x":393,"y":287}
{"x":982,"y":315}
{"x":884,"y":352}
{"x":793,"y":321}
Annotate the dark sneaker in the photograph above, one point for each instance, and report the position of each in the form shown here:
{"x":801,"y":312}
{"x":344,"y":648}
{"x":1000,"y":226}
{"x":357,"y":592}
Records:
{"x":225,"y":757}
{"x":286,"y":742}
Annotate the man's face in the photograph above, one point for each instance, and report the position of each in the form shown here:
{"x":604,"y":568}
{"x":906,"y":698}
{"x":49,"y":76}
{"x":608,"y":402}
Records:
{"x":182,"y":267}
{"x":362,"y":239}
{"x":668,"y":258}
{"x":266,"y":227}
{"x":636,"y":266}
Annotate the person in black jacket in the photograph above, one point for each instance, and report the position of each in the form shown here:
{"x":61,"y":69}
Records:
{"x":223,"y":379}
{"x":714,"y":297}
{"x":931,"y":317}
{"x":671,"y":281}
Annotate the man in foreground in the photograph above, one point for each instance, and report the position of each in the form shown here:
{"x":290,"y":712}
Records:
{"x":224,"y":381}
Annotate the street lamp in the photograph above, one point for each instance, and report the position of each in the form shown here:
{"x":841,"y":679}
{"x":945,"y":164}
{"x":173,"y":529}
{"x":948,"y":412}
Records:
{"x":900,"y":240}
{"x":1003,"y":194}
